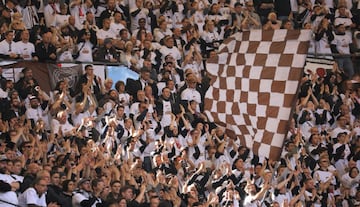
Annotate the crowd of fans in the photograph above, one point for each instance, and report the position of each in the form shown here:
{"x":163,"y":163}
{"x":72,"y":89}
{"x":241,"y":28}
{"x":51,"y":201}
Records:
{"x":146,"y":142}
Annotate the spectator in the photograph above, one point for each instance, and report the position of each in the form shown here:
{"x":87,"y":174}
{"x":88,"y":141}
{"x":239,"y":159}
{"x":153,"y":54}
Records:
{"x":107,"y":52}
{"x":8,"y":196}
{"x":45,"y":50}
{"x":324,"y":36}
{"x":35,"y":195}
{"x":84,"y":47}
{"x":101,"y":139}
{"x":341,"y":45}
{"x":68,"y":187}
{"x":264,"y":7}
{"x":7,"y":47}
{"x":161,"y":32}
{"x":25,"y":48}
{"x":50,"y":11}
{"x":110,"y":10}
{"x":134,"y":86}
{"x":30,"y":14}
{"x":61,"y":19}
{"x":83,"y":194}
{"x":138,"y":13}
{"x":105,"y":32}
{"x":272,"y":22}
{"x":79,"y":11}
{"x":118,"y":24}
{"x":211,"y":37}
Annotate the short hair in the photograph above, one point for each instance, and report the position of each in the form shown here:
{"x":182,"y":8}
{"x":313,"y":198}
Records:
{"x":88,"y":66}
{"x":95,"y":182}
{"x":37,"y":180}
{"x":238,"y":4}
{"x":125,"y":188}
{"x":118,"y":84}
{"x":114,"y":182}
{"x":9,"y":31}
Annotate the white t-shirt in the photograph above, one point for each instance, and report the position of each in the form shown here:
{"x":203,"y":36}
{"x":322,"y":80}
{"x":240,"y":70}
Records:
{"x":174,"y":52}
{"x":25,"y":49}
{"x":115,"y":28}
{"x":61,"y":20}
{"x":7,"y":198}
{"x":85,"y":54}
{"x":30,"y":196}
{"x":102,"y":34}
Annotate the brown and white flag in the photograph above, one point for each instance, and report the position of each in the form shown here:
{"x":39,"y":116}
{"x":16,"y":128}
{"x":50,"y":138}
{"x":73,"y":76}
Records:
{"x":254,"y":83}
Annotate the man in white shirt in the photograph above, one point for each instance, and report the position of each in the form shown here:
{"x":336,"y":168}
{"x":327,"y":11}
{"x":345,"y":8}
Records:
{"x":79,"y":10}
{"x":341,"y":46}
{"x":37,"y":111}
{"x":105,"y":32}
{"x":137,"y":13}
{"x":62,"y":125}
{"x":23,"y":47}
{"x":170,"y":49}
{"x":35,"y":196}
{"x":88,"y":195}
{"x":117,"y":24}
{"x":8,"y":187}
{"x":50,"y":12}
{"x":190,"y":93}
{"x":7,"y":47}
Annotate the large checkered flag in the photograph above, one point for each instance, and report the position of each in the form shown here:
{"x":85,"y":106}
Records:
{"x":254,"y":84}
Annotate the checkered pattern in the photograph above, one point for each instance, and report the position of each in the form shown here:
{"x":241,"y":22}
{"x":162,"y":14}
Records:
{"x":254,"y":83}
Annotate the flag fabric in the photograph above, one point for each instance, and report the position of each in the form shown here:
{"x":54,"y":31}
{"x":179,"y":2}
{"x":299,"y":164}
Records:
{"x":254,"y":82}
{"x":59,"y":72}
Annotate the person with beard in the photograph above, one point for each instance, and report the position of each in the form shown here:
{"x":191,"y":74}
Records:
{"x":25,"y":82}
{"x":15,"y":109}
{"x":73,"y":31}
{"x":341,"y":46}
{"x":110,"y":101}
{"x":38,"y":110}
